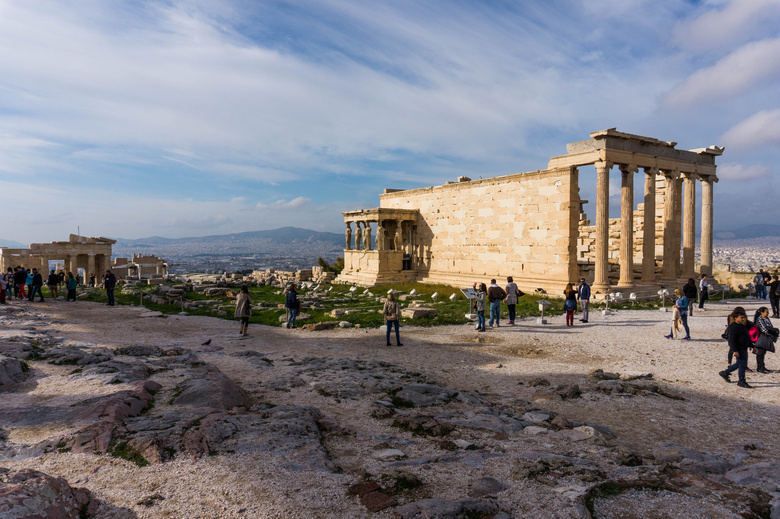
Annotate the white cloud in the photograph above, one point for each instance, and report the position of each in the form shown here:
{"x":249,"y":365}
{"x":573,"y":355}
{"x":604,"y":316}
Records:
{"x":736,"y":22}
{"x":733,"y":171}
{"x":747,"y":67}
{"x":284,"y":205}
{"x":758,"y":130}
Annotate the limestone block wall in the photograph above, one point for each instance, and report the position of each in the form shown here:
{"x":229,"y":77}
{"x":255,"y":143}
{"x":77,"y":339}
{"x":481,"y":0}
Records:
{"x":522,"y":225}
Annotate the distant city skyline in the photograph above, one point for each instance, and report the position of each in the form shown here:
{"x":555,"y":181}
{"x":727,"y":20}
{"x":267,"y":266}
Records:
{"x":186,"y":118}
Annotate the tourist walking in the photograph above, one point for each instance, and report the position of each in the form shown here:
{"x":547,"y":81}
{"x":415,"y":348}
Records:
{"x":766,"y":338}
{"x":36,"y":286}
{"x":292,"y":304}
{"x":109,"y":283}
{"x":496,"y":294}
{"x":689,"y":290}
{"x":391,"y":313}
{"x":244,"y":310}
{"x":774,"y":297}
{"x":704,"y":291}
{"x":758,"y":282}
{"x":52,"y":282}
{"x":71,"y":284}
{"x":681,"y":313}
{"x":20,"y":280}
{"x":583,"y":295}
{"x":512,"y":293}
{"x":570,"y":303}
{"x":739,"y":342}
{"x":480,"y":307}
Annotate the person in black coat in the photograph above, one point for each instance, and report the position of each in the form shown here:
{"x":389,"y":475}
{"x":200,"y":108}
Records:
{"x":739,"y":342}
{"x":109,"y":283}
{"x":689,"y":291}
{"x":37,"y":285}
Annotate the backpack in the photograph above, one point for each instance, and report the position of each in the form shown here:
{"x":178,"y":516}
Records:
{"x":754,"y":332}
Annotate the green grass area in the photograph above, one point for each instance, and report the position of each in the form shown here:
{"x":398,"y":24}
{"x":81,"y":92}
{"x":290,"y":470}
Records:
{"x":367,"y":315}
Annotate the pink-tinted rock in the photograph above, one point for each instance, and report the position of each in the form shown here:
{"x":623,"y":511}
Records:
{"x":30,"y":494}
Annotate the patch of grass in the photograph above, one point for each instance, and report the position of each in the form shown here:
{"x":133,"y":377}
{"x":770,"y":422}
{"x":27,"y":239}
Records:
{"x":126,"y":452}
{"x":174,"y":395}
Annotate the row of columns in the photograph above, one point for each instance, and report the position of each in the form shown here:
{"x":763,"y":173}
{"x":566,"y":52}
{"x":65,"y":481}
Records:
{"x":673,"y":206}
{"x":363,"y":236}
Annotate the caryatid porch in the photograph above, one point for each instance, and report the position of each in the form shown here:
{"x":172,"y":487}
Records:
{"x":388,"y":255}
{"x":673,"y":172}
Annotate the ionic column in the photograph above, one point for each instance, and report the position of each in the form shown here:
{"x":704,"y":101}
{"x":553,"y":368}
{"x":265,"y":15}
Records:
{"x":678,"y":220}
{"x":706,"y":225}
{"x":670,"y":195}
{"x":627,"y":226}
{"x":648,"y":234}
{"x":601,"y":279}
{"x":689,"y":226}
{"x":73,"y":266}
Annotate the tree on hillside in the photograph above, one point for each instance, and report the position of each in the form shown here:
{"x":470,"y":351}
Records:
{"x":337,"y":266}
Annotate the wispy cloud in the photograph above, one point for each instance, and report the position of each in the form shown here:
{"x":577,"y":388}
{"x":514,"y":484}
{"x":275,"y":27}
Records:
{"x":733,"y":171}
{"x":758,"y":130}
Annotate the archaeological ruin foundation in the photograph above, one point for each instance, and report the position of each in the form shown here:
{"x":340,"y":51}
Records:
{"x":532,"y":226}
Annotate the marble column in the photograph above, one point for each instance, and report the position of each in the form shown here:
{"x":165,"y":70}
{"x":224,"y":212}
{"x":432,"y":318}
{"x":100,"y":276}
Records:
{"x":648,"y":234}
{"x":670,"y":195}
{"x":627,"y":226}
{"x":678,"y":218}
{"x":90,"y":265}
{"x":689,"y":226}
{"x":601,"y":278}
{"x":72,"y":266}
{"x":706,"y":225}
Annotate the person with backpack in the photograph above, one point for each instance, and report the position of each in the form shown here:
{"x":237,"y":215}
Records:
{"x":689,"y":290}
{"x":292,"y":305}
{"x":758,"y":282}
{"x":767,"y":335}
{"x":774,"y":297}
{"x":391,"y":313}
{"x":479,"y":306}
{"x":52,"y":282}
{"x":37,"y":285}
{"x":512,"y":293}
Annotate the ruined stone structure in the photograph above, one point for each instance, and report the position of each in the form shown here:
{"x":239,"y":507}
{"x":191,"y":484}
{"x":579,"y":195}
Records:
{"x":139,"y":266}
{"x":532,"y":226}
{"x":93,"y":255}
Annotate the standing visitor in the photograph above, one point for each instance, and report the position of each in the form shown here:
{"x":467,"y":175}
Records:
{"x":92,"y":280}
{"x":10,"y":286}
{"x":570,"y":303}
{"x":37,"y":285}
{"x":774,"y":297}
{"x":52,"y":283}
{"x":72,"y":284}
{"x":739,"y":342}
{"x":20,"y":279}
{"x":109,"y":283}
{"x":480,"y":307}
{"x":583,"y":294}
{"x":28,"y":282}
{"x":704,"y":291}
{"x":766,"y":338}
{"x":512,"y":292}
{"x":390,"y":311}
{"x":767,"y":280}
{"x":681,"y":311}
{"x":689,"y":290}
{"x":758,"y":282}
{"x":244,"y":310}
{"x":496,"y":294}
{"x":3,"y":286}
{"x":292,"y":304}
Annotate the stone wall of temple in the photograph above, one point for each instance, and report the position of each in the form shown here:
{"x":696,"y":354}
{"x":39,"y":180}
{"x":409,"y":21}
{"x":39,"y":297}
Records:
{"x":517,"y":225}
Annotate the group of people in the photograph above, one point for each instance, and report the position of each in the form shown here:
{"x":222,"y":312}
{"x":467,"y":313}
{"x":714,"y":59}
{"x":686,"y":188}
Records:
{"x":743,"y":336}
{"x":683,"y":305}
{"x":768,"y":287}
{"x":244,"y":307}
{"x":24,"y":283}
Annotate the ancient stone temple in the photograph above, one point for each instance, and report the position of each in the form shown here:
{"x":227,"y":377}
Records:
{"x":93,"y":255}
{"x":532,"y":226}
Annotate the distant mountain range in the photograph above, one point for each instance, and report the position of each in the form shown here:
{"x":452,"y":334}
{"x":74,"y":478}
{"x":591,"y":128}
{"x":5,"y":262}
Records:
{"x":758,"y":230}
{"x":282,"y":236}
{"x":12,"y":244}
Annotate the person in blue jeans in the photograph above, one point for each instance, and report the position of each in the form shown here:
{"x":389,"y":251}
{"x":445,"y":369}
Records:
{"x":391,"y":311}
{"x":739,"y":342}
{"x":496,"y":294}
{"x":480,"y":307}
{"x":292,"y":304}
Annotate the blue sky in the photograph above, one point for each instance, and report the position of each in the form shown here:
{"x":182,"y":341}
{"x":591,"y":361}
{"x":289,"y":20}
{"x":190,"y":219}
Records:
{"x":134,"y":118}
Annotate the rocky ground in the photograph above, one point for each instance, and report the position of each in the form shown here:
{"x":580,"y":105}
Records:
{"x":117,"y":412}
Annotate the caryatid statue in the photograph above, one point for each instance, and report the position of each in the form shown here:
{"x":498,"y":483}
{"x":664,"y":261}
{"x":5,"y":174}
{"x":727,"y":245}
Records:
{"x":358,"y":236}
{"x":380,"y":237}
{"x":367,"y":236}
{"x":348,"y":236}
{"x":398,"y":239}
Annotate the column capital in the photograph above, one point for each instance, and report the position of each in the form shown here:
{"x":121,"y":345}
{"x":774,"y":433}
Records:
{"x":672,"y":174}
{"x":652,"y":170}
{"x":628,"y":168}
{"x":603,"y":164}
{"x":687,"y":175}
